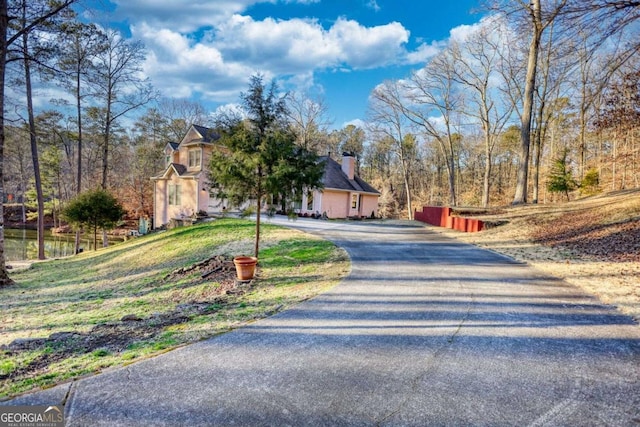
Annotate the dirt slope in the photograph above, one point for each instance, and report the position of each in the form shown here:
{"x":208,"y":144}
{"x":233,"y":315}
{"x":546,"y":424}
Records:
{"x":593,"y":243}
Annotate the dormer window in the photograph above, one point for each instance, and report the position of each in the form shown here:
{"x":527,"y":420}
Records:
{"x":195,"y":158}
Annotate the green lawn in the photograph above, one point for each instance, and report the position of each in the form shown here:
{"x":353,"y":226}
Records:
{"x":64,"y":317}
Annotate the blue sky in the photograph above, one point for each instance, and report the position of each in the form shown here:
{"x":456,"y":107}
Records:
{"x":338,"y":50}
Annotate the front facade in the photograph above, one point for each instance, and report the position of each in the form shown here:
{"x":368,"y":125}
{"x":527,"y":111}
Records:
{"x":344,"y":195}
{"x":181,"y":191}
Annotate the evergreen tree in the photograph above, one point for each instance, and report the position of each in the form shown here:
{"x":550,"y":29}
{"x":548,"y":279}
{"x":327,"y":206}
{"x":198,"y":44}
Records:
{"x":260,"y":158}
{"x":94,"y":209}
{"x":560,"y":178}
{"x":590,"y":184}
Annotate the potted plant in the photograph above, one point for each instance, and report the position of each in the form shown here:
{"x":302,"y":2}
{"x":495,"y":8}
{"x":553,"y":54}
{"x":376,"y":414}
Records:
{"x":245,"y":267}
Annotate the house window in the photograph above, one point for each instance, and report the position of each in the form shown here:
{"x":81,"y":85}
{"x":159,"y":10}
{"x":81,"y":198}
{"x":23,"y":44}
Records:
{"x":174,"y":195}
{"x":195,"y":158}
{"x":354,"y":201}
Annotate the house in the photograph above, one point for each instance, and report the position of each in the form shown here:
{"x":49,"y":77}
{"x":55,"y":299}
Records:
{"x":344,"y":195}
{"x":182,"y":190}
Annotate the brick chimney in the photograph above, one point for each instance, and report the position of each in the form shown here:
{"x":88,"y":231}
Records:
{"x":349,"y":165}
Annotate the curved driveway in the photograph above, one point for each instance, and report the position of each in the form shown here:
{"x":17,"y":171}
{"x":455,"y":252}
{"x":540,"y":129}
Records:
{"x":425,"y":331}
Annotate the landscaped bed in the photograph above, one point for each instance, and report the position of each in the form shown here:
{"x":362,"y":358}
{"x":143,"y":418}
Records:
{"x":76,"y":316}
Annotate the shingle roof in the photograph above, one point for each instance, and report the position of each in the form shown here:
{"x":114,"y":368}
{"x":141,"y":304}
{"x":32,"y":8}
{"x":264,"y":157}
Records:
{"x":180,"y":169}
{"x":174,"y":145}
{"x":334,"y":178}
{"x":208,"y":134}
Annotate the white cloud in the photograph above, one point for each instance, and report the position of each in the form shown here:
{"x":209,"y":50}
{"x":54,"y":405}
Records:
{"x":359,"y":123}
{"x":368,"y":47}
{"x":218,"y":63}
{"x":423,"y":53}
{"x":208,"y":49}
{"x":187,"y":15}
{"x":373,"y":4}
{"x":488,"y":24}
{"x":299,"y":45}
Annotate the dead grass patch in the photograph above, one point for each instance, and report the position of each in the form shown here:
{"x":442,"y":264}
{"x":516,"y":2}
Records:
{"x":593,"y":243}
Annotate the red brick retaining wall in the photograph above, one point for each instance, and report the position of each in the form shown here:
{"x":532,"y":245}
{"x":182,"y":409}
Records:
{"x":441,"y":217}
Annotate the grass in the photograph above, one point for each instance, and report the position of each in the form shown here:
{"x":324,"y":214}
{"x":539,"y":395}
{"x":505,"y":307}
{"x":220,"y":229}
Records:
{"x":591,"y":242}
{"x":89,"y":294}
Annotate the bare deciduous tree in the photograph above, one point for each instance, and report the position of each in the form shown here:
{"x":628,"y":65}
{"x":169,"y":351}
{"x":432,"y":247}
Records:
{"x":388,"y":117}
{"x":476,"y":67}
{"x":308,"y":118}
{"x":119,"y":86}
{"x":434,"y":106}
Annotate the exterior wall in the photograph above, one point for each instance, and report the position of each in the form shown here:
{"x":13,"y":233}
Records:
{"x":335,"y":204}
{"x":194,"y":195}
{"x":189,"y":200}
{"x":191,"y":135}
{"x":183,"y":156}
{"x":160,"y":204}
{"x":369,"y":204}
{"x":442,"y":217}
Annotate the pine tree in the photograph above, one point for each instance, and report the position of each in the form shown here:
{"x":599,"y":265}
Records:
{"x":560,"y":178}
{"x":260,"y":159}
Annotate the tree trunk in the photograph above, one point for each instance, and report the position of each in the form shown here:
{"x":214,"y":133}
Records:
{"x":107,"y":137}
{"x":5,"y":280}
{"x":451,"y":169}
{"x":527,"y":108}
{"x":33,"y":143}
{"x":486,"y":188}
{"x":256,"y":247}
{"x":408,"y":189}
{"x":105,"y":158}
{"x":79,"y":114}
{"x":79,"y":170}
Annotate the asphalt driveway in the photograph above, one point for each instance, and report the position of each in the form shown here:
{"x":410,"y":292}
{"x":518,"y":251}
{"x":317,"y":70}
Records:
{"x":425,"y":331}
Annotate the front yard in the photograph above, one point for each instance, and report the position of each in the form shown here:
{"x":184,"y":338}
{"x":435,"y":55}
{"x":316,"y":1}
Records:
{"x":77,"y":316}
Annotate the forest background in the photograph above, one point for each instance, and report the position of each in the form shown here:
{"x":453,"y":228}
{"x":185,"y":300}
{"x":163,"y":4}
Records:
{"x":540,"y":104}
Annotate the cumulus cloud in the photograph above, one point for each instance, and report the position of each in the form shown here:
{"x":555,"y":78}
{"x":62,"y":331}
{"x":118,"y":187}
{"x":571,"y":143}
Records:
{"x":220,"y":60}
{"x":298,"y":45}
{"x":368,"y":47}
{"x":187,"y":15}
{"x":207,"y":50}
{"x":423,"y":53}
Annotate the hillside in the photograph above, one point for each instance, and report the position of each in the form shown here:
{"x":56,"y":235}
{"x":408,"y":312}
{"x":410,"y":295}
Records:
{"x":593,"y":243}
{"x":75,"y":316}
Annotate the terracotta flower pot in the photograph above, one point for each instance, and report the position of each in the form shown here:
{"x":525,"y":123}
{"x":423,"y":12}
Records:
{"x":245,"y":267}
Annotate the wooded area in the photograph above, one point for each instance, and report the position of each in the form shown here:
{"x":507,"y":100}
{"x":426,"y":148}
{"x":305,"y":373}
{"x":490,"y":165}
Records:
{"x":535,"y":88}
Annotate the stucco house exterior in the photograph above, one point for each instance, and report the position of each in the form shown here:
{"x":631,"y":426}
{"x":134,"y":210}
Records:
{"x":182,"y":190}
{"x":345,"y":195}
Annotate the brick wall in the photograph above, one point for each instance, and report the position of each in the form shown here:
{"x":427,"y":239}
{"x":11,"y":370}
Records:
{"x":441,"y":216}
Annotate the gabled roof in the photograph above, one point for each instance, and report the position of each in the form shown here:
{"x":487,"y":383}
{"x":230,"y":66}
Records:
{"x":178,"y":169}
{"x":174,"y":145}
{"x":208,"y":134}
{"x":334,"y":178}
